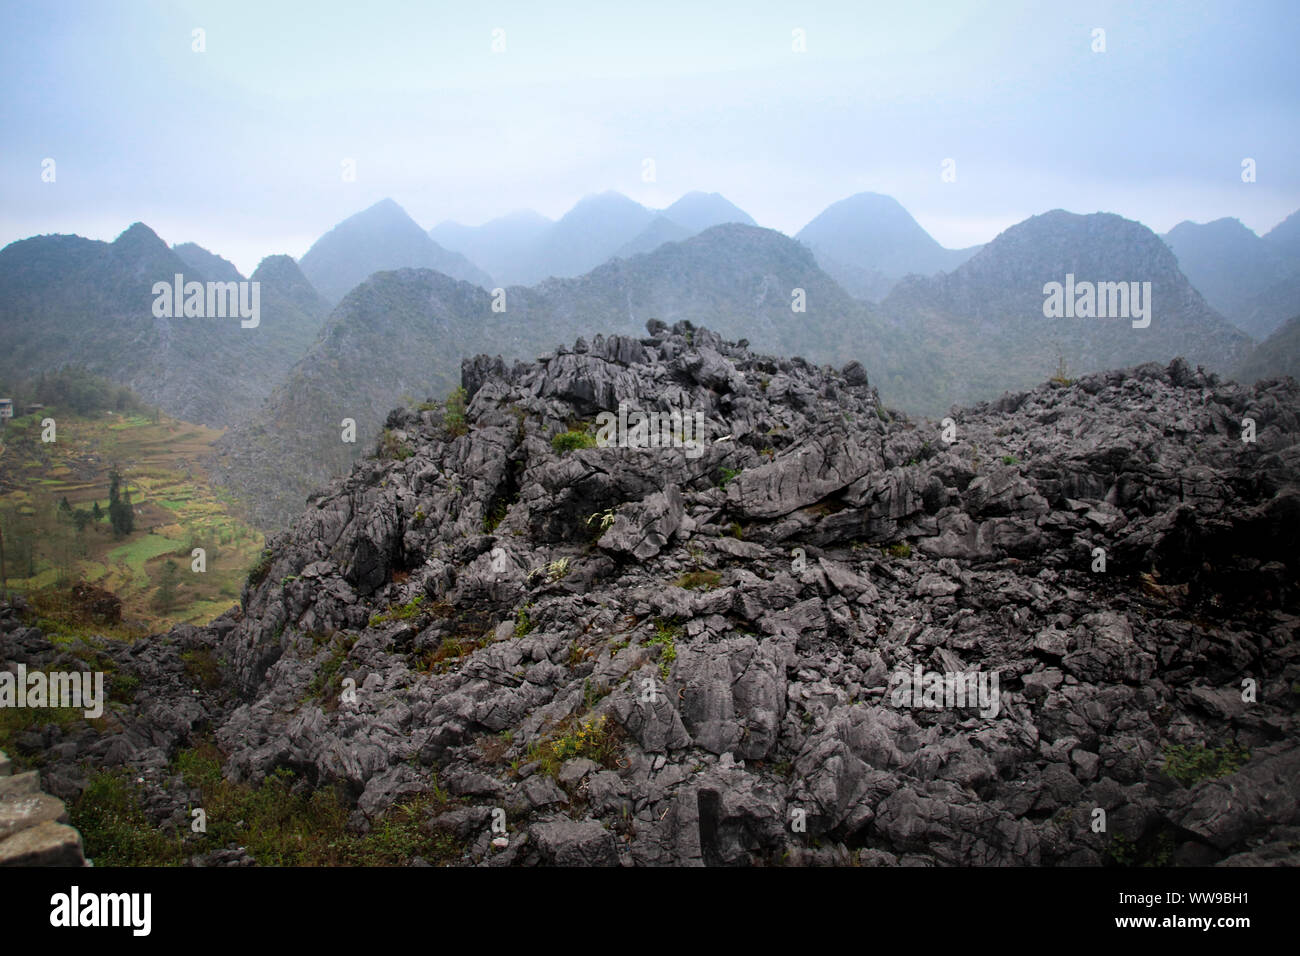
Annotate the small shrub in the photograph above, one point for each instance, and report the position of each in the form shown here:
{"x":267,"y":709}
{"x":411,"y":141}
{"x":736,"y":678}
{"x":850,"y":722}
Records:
{"x":402,"y":612}
{"x":572,"y":441}
{"x":593,"y":694}
{"x":900,"y":550}
{"x":1152,"y":851}
{"x":1190,"y":765}
{"x":201,"y":668}
{"x":728,"y":474}
{"x":666,"y":639}
{"x":391,"y":448}
{"x":453,"y":414}
{"x":257,"y":574}
{"x":451,"y":650}
{"x":601,"y":520}
{"x":323,"y":684}
{"x":1061,"y":377}
{"x":122,"y":687}
{"x":14,"y":721}
{"x":594,"y":738}
{"x":495,"y":516}
{"x":522,"y":624}
{"x":1009,"y":459}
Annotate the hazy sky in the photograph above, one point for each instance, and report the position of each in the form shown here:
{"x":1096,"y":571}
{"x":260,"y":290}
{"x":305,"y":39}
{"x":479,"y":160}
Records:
{"x":239,"y":148}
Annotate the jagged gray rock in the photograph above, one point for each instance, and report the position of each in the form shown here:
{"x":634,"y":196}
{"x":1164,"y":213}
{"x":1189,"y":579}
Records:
{"x":642,"y":657}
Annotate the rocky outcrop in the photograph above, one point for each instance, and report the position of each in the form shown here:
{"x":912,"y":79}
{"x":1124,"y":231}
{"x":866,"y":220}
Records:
{"x":33,"y":825}
{"x":643,"y":656}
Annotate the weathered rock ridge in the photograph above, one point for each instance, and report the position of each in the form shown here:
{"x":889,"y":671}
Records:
{"x":647,"y":658}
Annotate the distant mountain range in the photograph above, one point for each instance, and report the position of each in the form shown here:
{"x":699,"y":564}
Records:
{"x":868,"y":242}
{"x":1276,"y":356}
{"x":381,"y":237}
{"x":1285,"y":236}
{"x":524,"y":248}
{"x":211,"y":265}
{"x":497,"y":247}
{"x":1254,"y":282}
{"x":69,"y":300}
{"x":986,"y":318}
{"x":954,"y":327}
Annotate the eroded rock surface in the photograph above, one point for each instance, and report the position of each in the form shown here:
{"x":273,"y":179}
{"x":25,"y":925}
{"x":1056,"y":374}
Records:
{"x":729,"y":626}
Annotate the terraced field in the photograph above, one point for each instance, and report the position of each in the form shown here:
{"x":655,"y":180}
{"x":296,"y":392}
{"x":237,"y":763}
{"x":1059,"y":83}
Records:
{"x":175,"y":512}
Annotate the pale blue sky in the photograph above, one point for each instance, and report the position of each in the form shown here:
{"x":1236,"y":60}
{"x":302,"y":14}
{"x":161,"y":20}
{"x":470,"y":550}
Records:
{"x":239,"y":148}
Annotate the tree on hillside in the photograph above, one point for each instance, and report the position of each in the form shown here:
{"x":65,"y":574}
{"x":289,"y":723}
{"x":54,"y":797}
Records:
{"x":55,"y":538}
{"x":167,"y":584}
{"x":20,"y":535}
{"x":120,"y":513}
{"x":128,"y":512}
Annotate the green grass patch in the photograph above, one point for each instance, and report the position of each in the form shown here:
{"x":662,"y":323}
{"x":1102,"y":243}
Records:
{"x":278,"y":823}
{"x":1190,"y":765}
{"x":325,"y":685}
{"x":143,"y":548}
{"x":126,"y":422}
{"x":16,"y":721}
